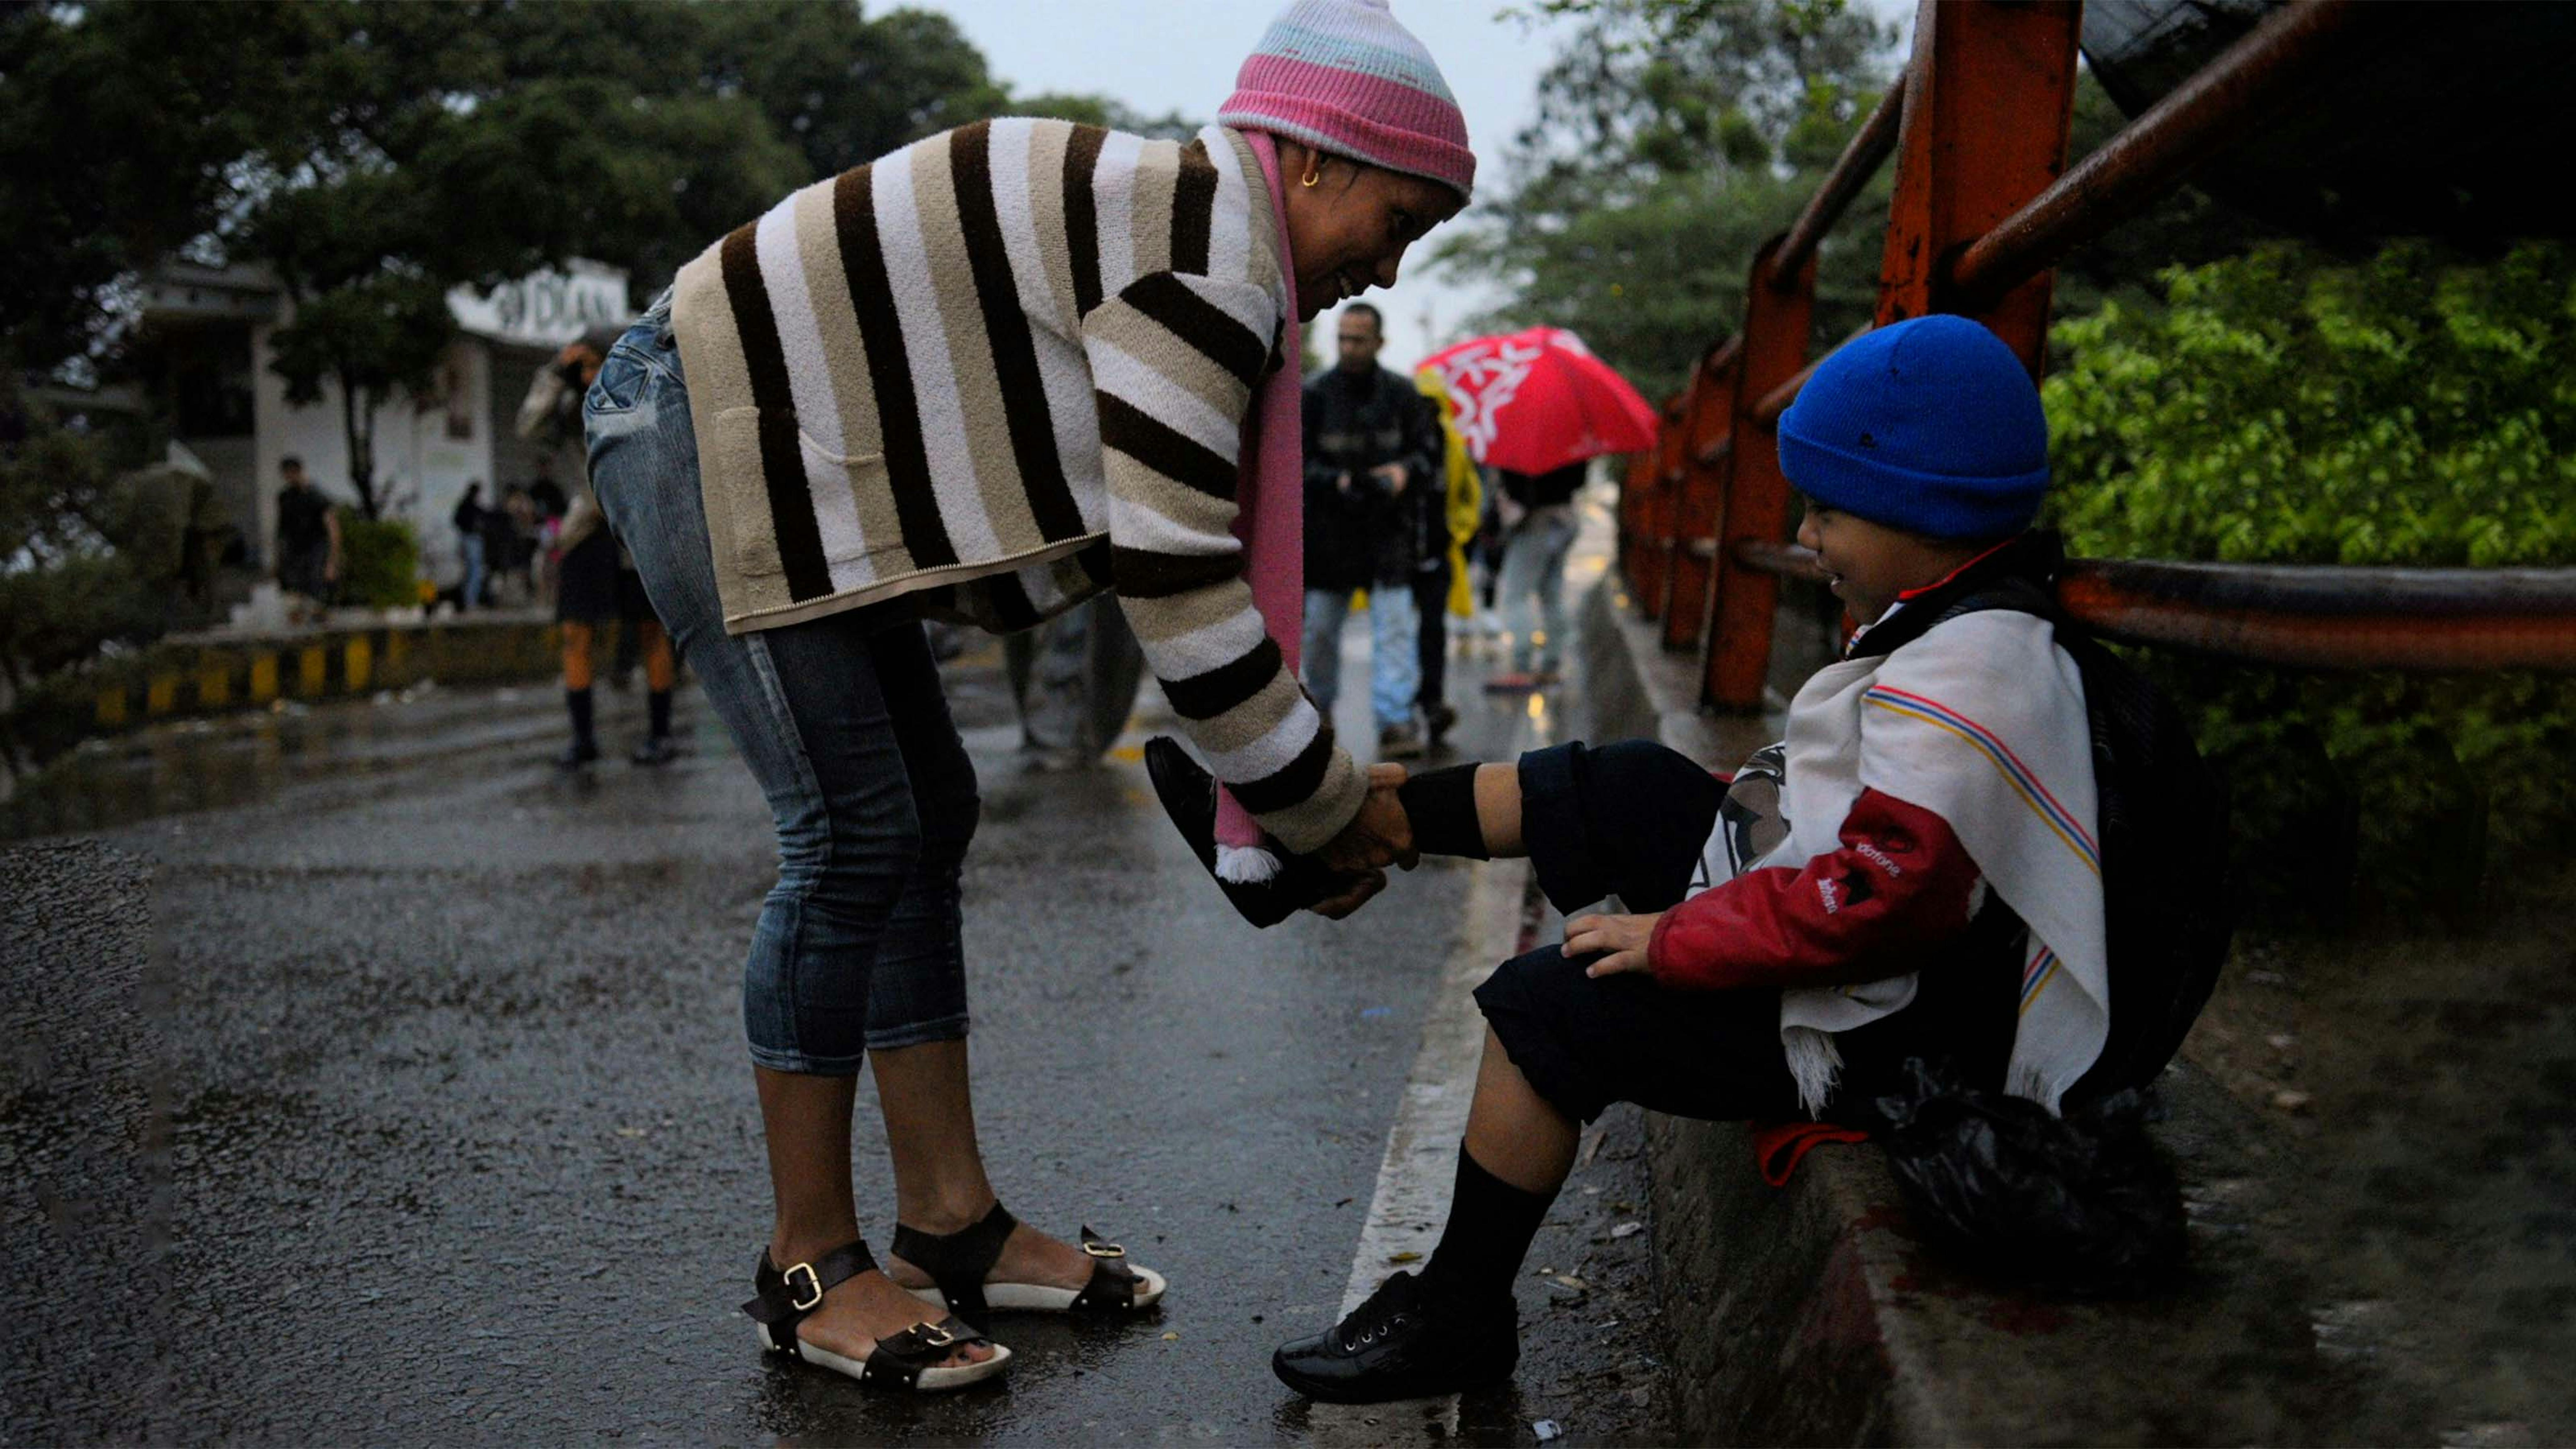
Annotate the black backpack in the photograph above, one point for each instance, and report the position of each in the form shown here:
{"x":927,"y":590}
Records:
{"x":2163,"y":833}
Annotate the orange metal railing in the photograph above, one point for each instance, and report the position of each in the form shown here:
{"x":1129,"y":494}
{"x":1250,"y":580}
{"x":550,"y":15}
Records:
{"x":1983,"y":207}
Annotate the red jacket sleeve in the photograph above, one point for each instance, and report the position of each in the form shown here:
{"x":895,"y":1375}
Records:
{"x":1900,"y":882}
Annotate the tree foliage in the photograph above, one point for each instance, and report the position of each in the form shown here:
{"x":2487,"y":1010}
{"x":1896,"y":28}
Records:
{"x":1672,"y":139}
{"x":2407,"y":410}
{"x":374,"y":154}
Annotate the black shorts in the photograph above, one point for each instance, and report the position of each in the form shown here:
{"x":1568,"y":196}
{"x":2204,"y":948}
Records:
{"x":592,"y":589}
{"x":1585,"y":1044}
{"x":1629,"y":819}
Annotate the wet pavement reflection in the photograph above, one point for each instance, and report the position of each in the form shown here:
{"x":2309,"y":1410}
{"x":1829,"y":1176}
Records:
{"x":456,"y":1141}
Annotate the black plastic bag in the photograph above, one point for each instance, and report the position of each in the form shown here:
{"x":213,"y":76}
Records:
{"x":2083,"y":1205}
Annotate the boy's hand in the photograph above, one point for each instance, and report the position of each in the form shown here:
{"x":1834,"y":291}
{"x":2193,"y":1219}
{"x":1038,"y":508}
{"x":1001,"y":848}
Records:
{"x":1623,"y":938}
{"x":1355,"y":892}
{"x":1381,"y":834}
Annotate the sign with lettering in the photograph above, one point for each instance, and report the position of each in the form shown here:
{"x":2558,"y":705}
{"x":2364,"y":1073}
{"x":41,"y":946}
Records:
{"x":545,"y":309}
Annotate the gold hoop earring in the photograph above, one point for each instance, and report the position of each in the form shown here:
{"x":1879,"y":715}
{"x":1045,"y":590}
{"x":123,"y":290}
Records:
{"x":1314,"y":173}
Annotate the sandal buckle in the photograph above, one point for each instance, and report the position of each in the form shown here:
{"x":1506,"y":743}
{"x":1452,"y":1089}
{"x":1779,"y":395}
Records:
{"x":1099,"y":1249}
{"x":801,"y":1303}
{"x":934,"y":1336}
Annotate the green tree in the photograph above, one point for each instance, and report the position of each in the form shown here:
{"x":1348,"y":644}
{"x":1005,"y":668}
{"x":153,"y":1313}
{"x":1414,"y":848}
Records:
{"x":375,"y":155}
{"x":2290,"y":407}
{"x":1672,"y":139}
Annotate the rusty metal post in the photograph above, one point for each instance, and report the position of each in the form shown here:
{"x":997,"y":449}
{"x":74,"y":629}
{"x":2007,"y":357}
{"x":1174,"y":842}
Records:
{"x":1655,"y":515}
{"x":1700,"y":499}
{"x":1987,"y":100}
{"x":1778,"y":315}
{"x":1633,"y":484}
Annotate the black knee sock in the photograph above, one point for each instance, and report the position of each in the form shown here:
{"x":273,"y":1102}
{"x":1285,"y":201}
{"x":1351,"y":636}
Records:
{"x":1490,"y":1227}
{"x":578,"y":701}
{"x":1442,"y":806}
{"x":657,"y":708}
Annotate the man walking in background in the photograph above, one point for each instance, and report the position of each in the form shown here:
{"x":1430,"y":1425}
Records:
{"x":1375,"y":510}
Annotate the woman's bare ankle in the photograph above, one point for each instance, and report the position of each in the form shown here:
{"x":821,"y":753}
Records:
{"x":791,"y":1245}
{"x":949,"y":1213}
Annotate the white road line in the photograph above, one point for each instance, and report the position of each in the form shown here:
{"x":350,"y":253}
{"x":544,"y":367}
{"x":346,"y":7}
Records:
{"x":1415,"y":1176}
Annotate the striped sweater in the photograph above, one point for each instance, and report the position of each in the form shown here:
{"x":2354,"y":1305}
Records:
{"x":1002,"y":370}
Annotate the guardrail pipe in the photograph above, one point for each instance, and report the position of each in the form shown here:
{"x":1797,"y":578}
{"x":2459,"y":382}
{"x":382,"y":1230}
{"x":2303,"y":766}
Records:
{"x":2225,"y":102}
{"x":2305,"y":616}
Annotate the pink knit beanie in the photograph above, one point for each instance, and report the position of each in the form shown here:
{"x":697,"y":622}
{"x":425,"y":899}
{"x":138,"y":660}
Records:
{"x":1343,"y":75}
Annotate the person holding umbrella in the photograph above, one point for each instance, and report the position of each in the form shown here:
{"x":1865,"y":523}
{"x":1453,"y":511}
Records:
{"x":1535,"y":406}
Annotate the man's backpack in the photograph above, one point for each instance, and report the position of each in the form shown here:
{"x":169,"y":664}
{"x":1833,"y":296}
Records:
{"x":2163,"y":827}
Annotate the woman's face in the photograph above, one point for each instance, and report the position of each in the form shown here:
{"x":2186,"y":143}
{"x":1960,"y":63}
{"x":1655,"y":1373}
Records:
{"x":1348,"y":231}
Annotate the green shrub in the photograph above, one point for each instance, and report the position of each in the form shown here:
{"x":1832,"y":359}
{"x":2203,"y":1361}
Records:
{"x":2285,"y":407}
{"x":379,"y":561}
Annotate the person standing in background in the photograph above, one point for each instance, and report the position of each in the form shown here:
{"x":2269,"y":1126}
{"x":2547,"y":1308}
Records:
{"x":596,"y":579}
{"x":1373,"y":453}
{"x":468,"y":519}
{"x":545,"y":493}
{"x":308,"y":537}
{"x":1440,"y":585}
{"x":1539,"y":526}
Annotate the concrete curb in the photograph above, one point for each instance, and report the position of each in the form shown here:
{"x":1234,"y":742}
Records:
{"x":1810,"y":1314}
{"x":204,"y":675}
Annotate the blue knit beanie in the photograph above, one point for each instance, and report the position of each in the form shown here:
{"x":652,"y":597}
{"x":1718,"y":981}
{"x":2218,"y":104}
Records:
{"x":1930,"y":425}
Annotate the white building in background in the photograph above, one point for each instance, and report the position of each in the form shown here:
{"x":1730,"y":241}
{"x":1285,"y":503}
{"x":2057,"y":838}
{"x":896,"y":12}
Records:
{"x":207,"y":351}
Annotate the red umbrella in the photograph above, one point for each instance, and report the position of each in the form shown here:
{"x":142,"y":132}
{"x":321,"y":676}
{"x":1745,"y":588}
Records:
{"x":1537,"y":400}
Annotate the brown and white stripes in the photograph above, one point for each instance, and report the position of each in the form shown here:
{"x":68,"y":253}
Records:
{"x":1005,"y":368}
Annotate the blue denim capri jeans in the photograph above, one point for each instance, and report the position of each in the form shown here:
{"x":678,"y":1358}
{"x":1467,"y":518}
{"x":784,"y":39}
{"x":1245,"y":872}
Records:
{"x":844,"y":723}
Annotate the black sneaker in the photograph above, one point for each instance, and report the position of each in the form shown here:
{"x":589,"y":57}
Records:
{"x":1399,"y":742}
{"x":576,"y":755}
{"x":1407,"y":1341}
{"x":655,"y":750}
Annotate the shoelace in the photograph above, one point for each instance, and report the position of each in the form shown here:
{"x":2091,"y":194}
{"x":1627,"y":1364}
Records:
{"x":1375,"y":1319}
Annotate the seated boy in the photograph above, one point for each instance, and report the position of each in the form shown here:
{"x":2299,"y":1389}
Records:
{"x":1937,"y":893}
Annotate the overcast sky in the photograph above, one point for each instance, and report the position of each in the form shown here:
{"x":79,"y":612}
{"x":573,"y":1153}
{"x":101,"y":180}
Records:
{"x":1167,"y":55}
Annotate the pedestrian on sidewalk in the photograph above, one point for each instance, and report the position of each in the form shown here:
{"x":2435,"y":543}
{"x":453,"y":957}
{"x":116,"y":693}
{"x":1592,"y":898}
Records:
{"x":1441,"y":587}
{"x":595,"y":577}
{"x":1375,"y":516}
{"x":1004,"y":370}
{"x":308,"y":538}
{"x":1537,"y":515}
{"x":593,"y":589}
{"x":468,"y":519}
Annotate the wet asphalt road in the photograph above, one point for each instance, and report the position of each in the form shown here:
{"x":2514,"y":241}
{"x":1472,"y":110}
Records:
{"x":452,"y":1139}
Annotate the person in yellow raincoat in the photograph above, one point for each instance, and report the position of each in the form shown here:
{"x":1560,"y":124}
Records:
{"x":1441,"y":588}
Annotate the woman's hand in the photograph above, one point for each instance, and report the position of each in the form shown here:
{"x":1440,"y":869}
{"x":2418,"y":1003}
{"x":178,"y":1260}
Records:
{"x":1622,"y":938}
{"x":1380,"y":835}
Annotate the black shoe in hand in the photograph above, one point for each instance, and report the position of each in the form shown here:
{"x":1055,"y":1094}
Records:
{"x":1188,"y":793}
{"x":1408,"y":1341}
